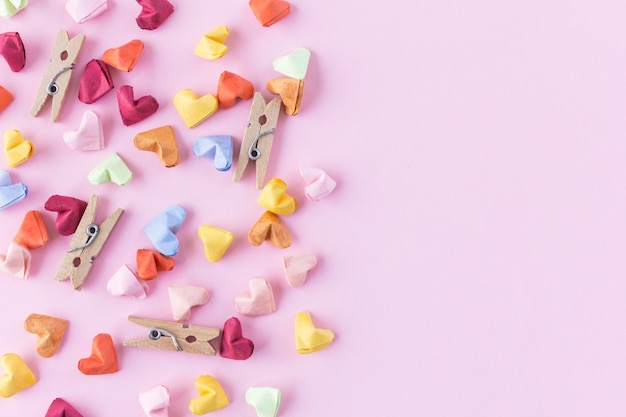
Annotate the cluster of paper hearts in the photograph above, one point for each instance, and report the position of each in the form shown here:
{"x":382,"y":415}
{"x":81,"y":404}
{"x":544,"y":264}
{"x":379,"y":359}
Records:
{"x":161,"y":231}
{"x":17,"y":376}
{"x":153,"y":13}
{"x":89,"y":136}
{"x":49,"y":330}
{"x":125,"y":282}
{"x":9,"y":7}
{"x":211,"y":396}
{"x":17,"y":149}
{"x":112,"y":169}
{"x":83,"y":10}
{"x":213,"y":44}
{"x":274,"y":198}
{"x":216,"y":147}
{"x":10,"y":193}
{"x":318,"y":184}
{"x":12,"y":50}
{"x":103,"y":358}
{"x":215,"y":240}
{"x":61,"y":408}
{"x":69,"y":212}
{"x":294,"y":67}
{"x":162,"y":142}
{"x":258,"y":300}
{"x":6,"y":98}
{"x":269,"y":12}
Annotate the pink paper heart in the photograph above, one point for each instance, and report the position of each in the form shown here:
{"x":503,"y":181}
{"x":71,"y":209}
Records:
{"x":156,"y":401}
{"x":133,"y":111}
{"x":89,"y":136}
{"x":125,"y":282}
{"x":318,"y":183}
{"x":259,"y":300}
{"x":184,"y":297}
{"x":83,"y":10}
{"x":296,"y":267}
{"x":17,"y":261}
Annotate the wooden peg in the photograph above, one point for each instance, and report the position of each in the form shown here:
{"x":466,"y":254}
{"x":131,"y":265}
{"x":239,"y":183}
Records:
{"x":258,"y":137}
{"x":56,"y":79}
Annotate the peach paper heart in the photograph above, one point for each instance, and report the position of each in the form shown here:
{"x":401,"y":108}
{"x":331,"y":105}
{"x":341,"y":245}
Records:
{"x":162,"y":142}
{"x":49,"y":331}
{"x":290,"y":91}
{"x":296,"y":267}
{"x":17,"y":376}
{"x":17,"y":261}
{"x":103,"y":359}
{"x":134,"y":111}
{"x":232,"y":87}
{"x":270,"y":228}
{"x":259,"y":300}
{"x":17,"y":149}
{"x":193,"y":109}
{"x":184,"y":297}
{"x":89,"y":136}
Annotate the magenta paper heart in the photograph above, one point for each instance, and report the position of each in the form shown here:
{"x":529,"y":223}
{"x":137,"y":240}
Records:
{"x":234,"y":345}
{"x":132,"y":110}
{"x":153,"y":13}
{"x":17,"y":261}
{"x":61,"y":408}
{"x":69,"y":212}
{"x":95,"y":82}
{"x":12,"y":50}
{"x":89,"y":136}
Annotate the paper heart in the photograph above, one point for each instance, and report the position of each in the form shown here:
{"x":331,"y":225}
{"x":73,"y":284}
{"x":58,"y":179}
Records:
{"x":126,"y":282}
{"x":153,"y":13}
{"x":259,"y":300}
{"x":310,"y":339}
{"x":217,"y":147}
{"x":61,"y":408}
{"x":216,"y":241}
{"x":32,"y":233}
{"x":212,"y":396}
{"x":125,"y":57}
{"x":211,"y":45}
{"x":95,"y":82}
{"x":89,"y":136}
{"x":49,"y":331}
{"x":12,"y":50}
{"x":17,"y":376}
{"x":234,"y":345}
{"x":296,"y":267}
{"x":6,"y":98}
{"x":318,"y":183}
{"x":69,"y":212}
{"x":112,"y":169}
{"x":265,"y":400}
{"x":269,"y":227}
{"x":232,"y":87}
{"x":156,"y":401}
{"x":10,"y":193}
{"x":83,"y":10}
{"x":290,"y":91}
{"x":193,"y":109}
{"x":274,"y":198}
{"x":293,"y":65}
{"x":134,"y":111}
{"x":17,"y":149}
{"x":150,"y":262}
{"x":17,"y":261}
{"x":184,"y":297}
{"x":103,"y":359}
{"x":9,"y":7}
{"x":162,"y":229}
{"x":162,"y":142}
{"x":269,"y":12}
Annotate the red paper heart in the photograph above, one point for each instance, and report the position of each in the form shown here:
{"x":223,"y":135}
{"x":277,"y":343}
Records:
{"x":61,"y":408}
{"x":153,"y":13}
{"x":231,"y":87}
{"x":69,"y":212}
{"x":132,"y":110}
{"x":95,"y":82}
{"x":150,"y":262}
{"x":234,"y":345}
{"x":103,"y":359}
{"x":12,"y":49}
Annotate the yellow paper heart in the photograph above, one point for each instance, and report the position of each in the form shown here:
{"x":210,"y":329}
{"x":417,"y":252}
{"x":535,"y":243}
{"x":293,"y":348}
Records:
{"x":16,"y":148}
{"x":212,"y":396}
{"x":211,"y":45}
{"x":18,"y":375}
{"x":216,"y":241}
{"x":193,"y":109}
{"x":274,"y":198}
{"x":310,"y":339}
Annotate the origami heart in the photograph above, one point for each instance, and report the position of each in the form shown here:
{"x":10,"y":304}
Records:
{"x":17,"y":261}
{"x":212,"y":396}
{"x":6,"y":98}
{"x":9,"y":7}
{"x":89,"y":136}
{"x":297,"y":266}
{"x":162,"y":229}
{"x":217,"y":147}
{"x":83,"y":10}
{"x":10,"y":193}
{"x":103,"y":359}
{"x":162,"y":142}
{"x":95,"y":82}
{"x":259,"y":300}
{"x":274,"y":198}
{"x":124,"y":57}
{"x":216,"y":241}
{"x":49,"y":331}
{"x":153,"y":13}
{"x":290,"y":91}
{"x":150,"y":262}
{"x":184,"y":297}
{"x":318,"y":183}
{"x":155,"y":401}
{"x":69,"y":212}
{"x":293,"y":65}
{"x":265,"y":400}
{"x":269,"y":12}
{"x":17,"y":377}
{"x":17,"y":149}
{"x":32,"y":233}
{"x":61,"y":408}
{"x":234,"y":345}
{"x":112,"y":169}
{"x":309,"y":339}
{"x":211,"y":45}
{"x":232,"y":87}
{"x":134,"y":111}
{"x":12,"y":50}
{"x":125,"y":282}
{"x":193,"y":109}
{"x":269,"y":227}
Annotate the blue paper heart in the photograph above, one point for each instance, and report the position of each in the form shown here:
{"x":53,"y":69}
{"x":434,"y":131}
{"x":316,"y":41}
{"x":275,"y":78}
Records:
{"x":217,"y":147}
{"x":162,"y":230}
{"x":10,"y":193}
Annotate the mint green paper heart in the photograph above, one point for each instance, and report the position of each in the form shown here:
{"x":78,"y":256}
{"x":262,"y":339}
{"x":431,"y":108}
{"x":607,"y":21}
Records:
{"x":265,"y":400}
{"x":293,"y":65}
{"x":113,"y":169}
{"x":9,"y":7}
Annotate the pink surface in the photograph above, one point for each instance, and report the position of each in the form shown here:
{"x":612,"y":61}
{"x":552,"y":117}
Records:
{"x":471,"y":259}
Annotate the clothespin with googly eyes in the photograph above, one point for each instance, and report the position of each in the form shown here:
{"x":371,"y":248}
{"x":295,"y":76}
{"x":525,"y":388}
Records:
{"x":86,"y":245}
{"x":56,"y":79}
{"x":258,"y":137}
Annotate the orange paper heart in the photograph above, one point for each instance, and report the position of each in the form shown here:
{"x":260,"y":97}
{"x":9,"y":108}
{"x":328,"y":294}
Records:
{"x":49,"y":331}
{"x":150,"y":262}
{"x":290,"y":91}
{"x":232,"y":87}
{"x":162,"y":142}
{"x":103,"y":359}
{"x":5,"y":98}
{"x":32,"y":233}
{"x":270,"y":228}
{"x":124,"y":57}
{"x":269,"y":12}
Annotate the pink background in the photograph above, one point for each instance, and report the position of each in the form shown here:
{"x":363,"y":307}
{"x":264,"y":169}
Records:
{"x":471,"y":258}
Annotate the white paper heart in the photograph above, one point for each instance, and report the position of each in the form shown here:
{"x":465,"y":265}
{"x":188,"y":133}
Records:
{"x":184,"y":297}
{"x":89,"y":136}
{"x":125,"y":282}
{"x":294,"y":65}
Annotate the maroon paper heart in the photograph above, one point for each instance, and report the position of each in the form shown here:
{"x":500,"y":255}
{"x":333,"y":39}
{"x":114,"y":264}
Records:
{"x":61,"y":408}
{"x":132,"y":110}
{"x":69,"y":212}
{"x":95,"y":82}
{"x":234,"y":345}
{"x":12,"y":50}
{"x":153,"y":13}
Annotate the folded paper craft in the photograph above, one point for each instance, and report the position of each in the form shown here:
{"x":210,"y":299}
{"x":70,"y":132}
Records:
{"x":89,"y":136}
{"x":10,"y":193}
{"x":318,"y":184}
{"x":150,"y":262}
{"x":95,"y":82}
{"x":17,"y":376}
{"x":32,"y":233}
{"x":103,"y":359}
{"x":184,"y":297}
{"x":216,"y":241}
{"x":156,"y":401}
{"x":125,"y":282}
{"x":216,"y":147}
{"x":293,"y":65}
{"x":232,"y":87}
{"x":49,"y":330}
{"x":153,"y":13}
{"x":212,"y":44}
{"x":193,"y":109}
{"x":112,"y":169}
{"x":61,"y":408}
{"x":269,"y":12}
{"x":162,"y":229}
{"x":6,"y":98}
{"x":134,"y":111}
{"x":162,"y":142}
{"x":211,"y":396}
{"x":12,"y":50}
{"x":310,"y":339}
{"x":234,"y":345}
{"x":265,"y":400}
{"x":9,"y":7}
{"x":17,"y":261}
{"x":69,"y":212}
{"x":270,"y":228}
{"x":17,"y":149}
{"x":125,"y":57}
{"x":274,"y":198}
{"x":296,"y":267}
{"x":290,"y":91}
{"x":83,"y":10}
{"x":258,"y":301}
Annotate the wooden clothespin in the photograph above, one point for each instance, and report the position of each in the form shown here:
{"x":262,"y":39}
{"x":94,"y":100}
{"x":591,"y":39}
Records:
{"x":258,"y":136}
{"x":168,"y":335}
{"x":56,"y":78}
{"x":86,"y":245}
